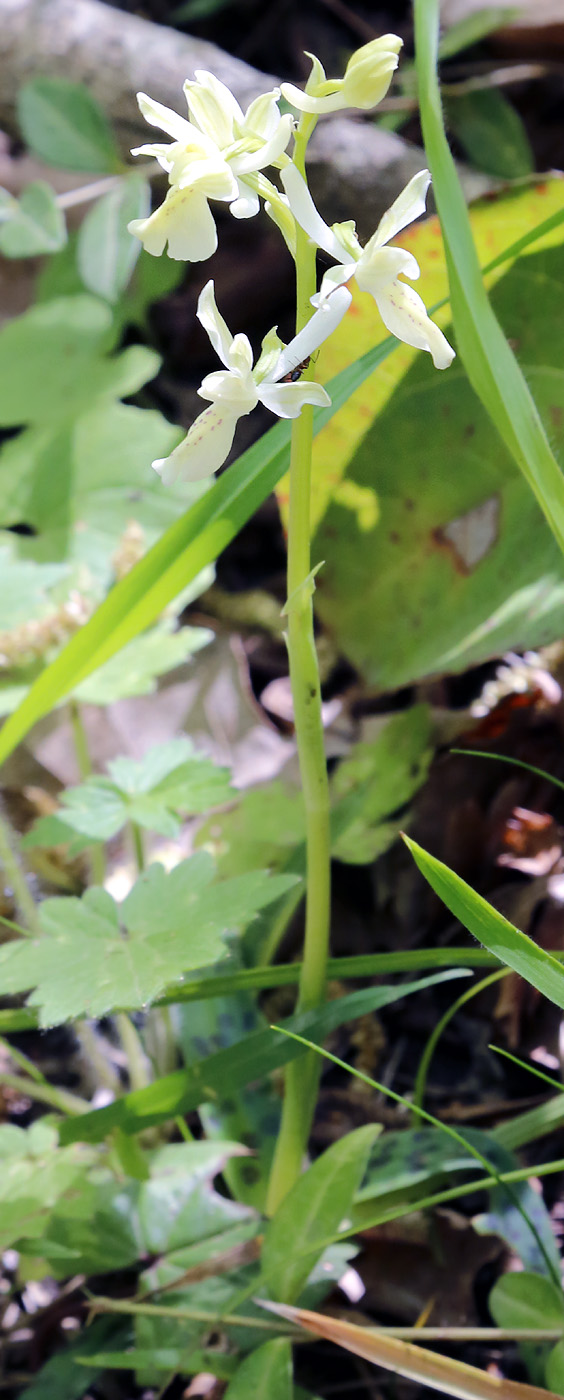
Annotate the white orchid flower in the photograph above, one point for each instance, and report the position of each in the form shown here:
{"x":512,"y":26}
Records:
{"x":368,"y":75}
{"x":210,"y":157}
{"x":236,"y":390}
{"x":375,"y":268}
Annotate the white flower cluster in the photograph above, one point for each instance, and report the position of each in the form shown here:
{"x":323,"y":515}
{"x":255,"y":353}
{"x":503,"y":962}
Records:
{"x":219,"y":153}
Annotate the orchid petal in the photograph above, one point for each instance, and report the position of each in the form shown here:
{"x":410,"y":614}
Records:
{"x":237,"y":393}
{"x":158,"y":115}
{"x":213,"y":107}
{"x":212,"y":178}
{"x":404,"y":315}
{"x":385,"y":265}
{"x":203,"y":450}
{"x":241,"y":355}
{"x":334,"y":277}
{"x":305,"y":102}
{"x":409,"y":205}
{"x":263,"y":115}
{"x":287,"y":400}
{"x":269,"y":152}
{"x":214,"y":324}
{"x":185,"y":222}
{"x":248,"y":203}
{"x":307,"y":216}
{"x":319,"y":327}
{"x":158,"y":150}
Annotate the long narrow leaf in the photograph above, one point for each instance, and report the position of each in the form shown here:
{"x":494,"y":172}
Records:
{"x":488,"y":359}
{"x":404,"y":1359}
{"x":513,"y":948}
{"x":227,"y":1070}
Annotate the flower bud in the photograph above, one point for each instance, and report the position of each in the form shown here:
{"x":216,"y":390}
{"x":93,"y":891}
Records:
{"x":368,"y":73}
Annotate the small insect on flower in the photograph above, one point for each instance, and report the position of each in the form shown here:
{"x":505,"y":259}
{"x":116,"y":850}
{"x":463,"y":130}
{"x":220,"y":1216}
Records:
{"x":294,"y":374}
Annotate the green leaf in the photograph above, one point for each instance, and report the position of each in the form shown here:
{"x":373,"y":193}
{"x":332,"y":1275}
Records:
{"x":34,"y":1174}
{"x":178,"y":1206}
{"x":171,"y":779}
{"x":513,"y":948}
{"x":526,"y":1300}
{"x":475,"y":26}
{"x":136,"y":669}
{"x":266,"y":1374}
{"x":467,"y":568}
{"x":313,"y":1210}
{"x":95,"y":956}
{"x":63,"y":124}
{"x":378,"y":778}
{"x":175,"y":1360}
{"x":36,"y":224}
{"x":106,"y":252}
{"x":554,"y":1371}
{"x":218,"y":1074}
{"x":491,"y":132}
{"x":488,"y":359}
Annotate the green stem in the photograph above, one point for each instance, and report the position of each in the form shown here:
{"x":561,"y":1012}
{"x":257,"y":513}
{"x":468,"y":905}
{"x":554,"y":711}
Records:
{"x":96,"y":857}
{"x":302,"y":1078}
{"x":60,"y":1099}
{"x":15,"y":876}
{"x":137,"y":1063}
{"x":425,"y":1061}
{"x":138,"y":846}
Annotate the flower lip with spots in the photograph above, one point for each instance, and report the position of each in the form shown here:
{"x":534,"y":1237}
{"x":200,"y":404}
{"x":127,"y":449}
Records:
{"x":215,"y":155}
{"x":375,"y":268}
{"x":238,"y":388}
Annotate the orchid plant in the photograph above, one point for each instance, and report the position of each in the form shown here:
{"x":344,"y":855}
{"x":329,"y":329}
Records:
{"x":219,"y":153}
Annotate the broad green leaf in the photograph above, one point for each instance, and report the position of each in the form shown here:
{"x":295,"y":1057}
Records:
{"x":460,"y":565}
{"x":266,"y":1374}
{"x":48,"y":359}
{"x":313,"y":1210}
{"x":414,"y":1362}
{"x":63,"y":124}
{"x":378,"y":778}
{"x":554,"y":1370}
{"x":94,"y":955}
{"x":179,"y":1207}
{"x":513,"y":948}
{"x":171,"y":779}
{"x":256,"y":1055}
{"x":106,"y":252}
{"x":487,"y":356}
{"x":499,"y":223}
{"x":28,"y":591}
{"x":36,"y":224}
{"x":526,"y":1300}
{"x":491,"y":133}
{"x":475,"y":26}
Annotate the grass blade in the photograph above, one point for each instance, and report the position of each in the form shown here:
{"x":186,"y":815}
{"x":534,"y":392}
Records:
{"x":488,"y":359}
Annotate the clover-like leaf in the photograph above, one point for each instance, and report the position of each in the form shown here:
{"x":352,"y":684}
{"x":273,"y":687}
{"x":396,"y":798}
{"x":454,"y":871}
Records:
{"x":95,"y":956}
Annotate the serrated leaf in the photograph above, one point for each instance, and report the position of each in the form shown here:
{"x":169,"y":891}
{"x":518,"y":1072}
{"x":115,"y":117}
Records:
{"x":64,"y":125}
{"x":35,"y":225}
{"x":313,"y":1210}
{"x":106,"y":252}
{"x":171,"y":779}
{"x":94,"y":955}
